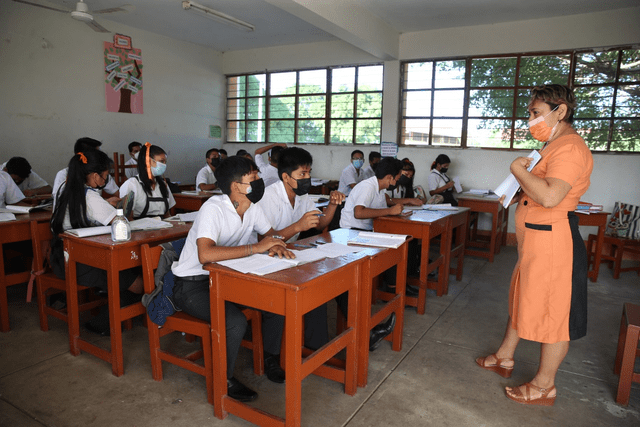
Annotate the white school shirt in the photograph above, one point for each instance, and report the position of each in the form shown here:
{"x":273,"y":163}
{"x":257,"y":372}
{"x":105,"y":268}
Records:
{"x":9,"y":191}
{"x":278,"y":210}
{"x":218,"y":220}
{"x":399,"y":193}
{"x":140,"y":198}
{"x":364,"y":194}
{"x":367,"y":172}
{"x":349,"y":176}
{"x":131,"y":172}
{"x":61,"y":178}
{"x":31,"y":182}
{"x":99,"y":211}
{"x":268,"y":172}
{"x":437,"y":179}
{"x":205,"y":176}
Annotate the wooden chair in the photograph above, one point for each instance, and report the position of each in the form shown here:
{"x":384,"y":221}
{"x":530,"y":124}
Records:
{"x":119,"y":168}
{"x":48,"y":284}
{"x":619,"y":246}
{"x":182,"y":322}
{"x":627,"y":351}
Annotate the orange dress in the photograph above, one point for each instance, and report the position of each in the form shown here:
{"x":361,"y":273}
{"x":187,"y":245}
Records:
{"x":548,"y":295}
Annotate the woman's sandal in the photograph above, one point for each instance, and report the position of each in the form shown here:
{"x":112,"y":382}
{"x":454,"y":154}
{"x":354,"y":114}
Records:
{"x":498,"y":368}
{"x":526,"y":399}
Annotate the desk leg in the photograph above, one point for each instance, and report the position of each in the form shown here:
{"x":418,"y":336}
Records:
{"x":364,"y":323}
{"x":593,"y":274}
{"x":219,"y":344}
{"x":4,"y":301}
{"x":506,"y":226}
{"x":445,"y":268}
{"x":293,"y":361}
{"x":115,"y":322}
{"x":72,"y":302}
{"x":401,"y":287}
{"x":424,"y":266}
{"x":496,"y":222}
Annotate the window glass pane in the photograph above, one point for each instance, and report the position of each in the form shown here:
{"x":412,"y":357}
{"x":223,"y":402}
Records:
{"x":596,"y":67}
{"x":235,"y":109}
{"x":235,"y":87}
{"x":593,"y":102}
{"x":628,"y":101}
{"x":416,"y":131}
{"x":256,"y":108}
{"x":342,"y":106}
{"x":447,"y":132}
{"x":368,"y":131}
{"x":523,"y":102}
{"x":418,"y":75}
{"x":448,"y":103}
{"x":626,"y":135}
{"x":370,"y":78}
{"x":342,"y":131}
{"x":489,"y":133}
{"x":311,"y":131}
{"x":547,"y":69}
{"x":450,"y":74}
{"x":417,"y":104}
{"x":491,"y":103}
{"x":493,"y":72}
{"x":282,"y":107}
{"x":255,"y":131}
{"x":235,"y":131}
{"x":522,"y":138}
{"x":594,"y":132}
{"x":629,"y":69}
{"x":257,"y":85}
{"x":281,"y":131}
{"x":313,"y":81}
{"x":343,"y":79}
{"x":369,"y":105}
{"x":283,"y":83}
{"x":312,"y":106}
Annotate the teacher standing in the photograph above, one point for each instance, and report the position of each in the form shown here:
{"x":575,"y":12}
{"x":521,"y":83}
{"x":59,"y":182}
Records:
{"x":548,"y":294}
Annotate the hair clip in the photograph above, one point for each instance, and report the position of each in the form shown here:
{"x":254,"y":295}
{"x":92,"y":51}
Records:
{"x":83,"y":158}
{"x":147,"y":145}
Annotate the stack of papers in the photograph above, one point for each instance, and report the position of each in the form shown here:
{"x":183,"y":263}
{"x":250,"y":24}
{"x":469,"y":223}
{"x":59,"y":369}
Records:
{"x":510,"y":186}
{"x":19,"y":209}
{"x":439,"y":207}
{"x":136,"y":225}
{"x":379,"y":240}
{"x":475,"y":191}
{"x":5,"y":216}
{"x":429,"y":215}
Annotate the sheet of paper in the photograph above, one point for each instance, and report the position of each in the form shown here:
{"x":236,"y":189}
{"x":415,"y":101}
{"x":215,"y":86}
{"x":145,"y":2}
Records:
{"x":429,"y":216}
{"x":6,"y":216}
{"x":90,"y":231}
{"x":334,"y":250}
{"x":456,"y":184}
{"x":510,"y":186}
{"x":477,"y":191}
{"x":382,"y":240}
{"x":188,"y":217}
{"x":309,"y":255}
{"x":149,"y":224}
{"x":259,"y":264}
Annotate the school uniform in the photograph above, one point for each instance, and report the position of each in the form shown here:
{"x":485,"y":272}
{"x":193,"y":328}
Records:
{"x":349,"y":176}
{"x":9,"y":192}
{"x":218,"y":221}
{"x":31,"y":182}
{"x":365,"y":194}
{"x":367,"y":172}
{"x":61,"y":177}
{"x":268,"y":172}
{"x":145,"y":205}
{"x":436,"y":180}
{"x":205,"y":176}
{"x":131,"y":172}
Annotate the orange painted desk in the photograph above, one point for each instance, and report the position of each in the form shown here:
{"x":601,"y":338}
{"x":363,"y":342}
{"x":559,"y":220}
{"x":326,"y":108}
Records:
{"x":425,"y":226}
{"x":10,"y":232}
{"x":101,"y":252}
{"x":595,"y":220}
{"x":191,"y":202}
{"x":290,"y":293}
{"x":499,"y":225}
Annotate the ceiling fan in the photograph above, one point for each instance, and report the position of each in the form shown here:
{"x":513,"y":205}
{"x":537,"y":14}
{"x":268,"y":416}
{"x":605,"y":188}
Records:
{"x":82,"y":13}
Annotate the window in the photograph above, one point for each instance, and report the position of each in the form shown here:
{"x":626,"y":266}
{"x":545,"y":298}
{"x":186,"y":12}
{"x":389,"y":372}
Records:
{"x":482,"y":101}
{"x":337,"y":105}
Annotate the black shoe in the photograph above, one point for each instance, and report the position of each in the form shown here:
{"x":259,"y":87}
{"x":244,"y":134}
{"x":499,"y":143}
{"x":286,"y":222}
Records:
{"x":273,"y":370}
{"x":98,"y":330}
{"x":412,"y":291}
{"x":379,"y":332}
{"x":238,"y":391}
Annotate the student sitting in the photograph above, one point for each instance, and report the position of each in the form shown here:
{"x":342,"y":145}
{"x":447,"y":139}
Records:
{"x":439,"y":182}
{"x":405,"y":188}
{"x":222,"y":230}
{"x":223,"y":154}
{"x":26,"y":179}
{"x":10,"y":194}
{"x":352,"y":174}
{"x":269,"y":171}
{"x":370,"y":170}
{"x":205,"y":179}
{"x":84,"y":144}
{"x":244,"y":153}
{"x":134,"y":149}
{"x":80,"y":205}
{"x":151,"y":193}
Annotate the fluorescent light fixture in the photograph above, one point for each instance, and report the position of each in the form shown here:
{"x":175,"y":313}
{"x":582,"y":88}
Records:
{"x":217,"y":16}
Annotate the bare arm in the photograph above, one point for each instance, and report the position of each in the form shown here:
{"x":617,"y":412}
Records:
{"x":207,"y":187}
{"x":548,"y":192}
{"x":442,"y":189}
{"x":35,"y":191}
{"x":360,"y":212}
{"x":208,"y":251}
{"x":262,"y":150}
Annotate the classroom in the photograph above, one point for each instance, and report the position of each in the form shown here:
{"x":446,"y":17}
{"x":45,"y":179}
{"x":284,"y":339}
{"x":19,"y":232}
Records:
{"x":53,"y":93}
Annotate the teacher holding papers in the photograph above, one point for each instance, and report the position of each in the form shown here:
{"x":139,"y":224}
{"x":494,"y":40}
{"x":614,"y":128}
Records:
{"x":548,"y":295}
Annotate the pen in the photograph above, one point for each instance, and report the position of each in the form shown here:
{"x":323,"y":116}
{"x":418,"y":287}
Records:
{"x":277,"y":236}
{"x":297,"y":245}
{"x":320,"y":214}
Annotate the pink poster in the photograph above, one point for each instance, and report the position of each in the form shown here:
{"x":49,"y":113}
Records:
{"x":123,"y":76}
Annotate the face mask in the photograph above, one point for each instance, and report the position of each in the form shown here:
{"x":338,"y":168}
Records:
{"x":158,"y":169}
{"x":255,"y":191}
{"x":540,"y":130}
{"x":374,"y":166}
{"x":357,"y":163}
{"x":304,"y":185}
{"x":392,"y":187}
{"x":135,"y":155}
{"x":101,"y":187}
{"x":215,"y":162}
{"x":404,"y":181}
{"x":444,"y":170}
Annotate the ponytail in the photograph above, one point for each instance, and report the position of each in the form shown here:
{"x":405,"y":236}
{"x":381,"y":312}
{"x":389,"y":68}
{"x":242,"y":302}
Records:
{"x":440,"y":160}
{"x":147,"y":152}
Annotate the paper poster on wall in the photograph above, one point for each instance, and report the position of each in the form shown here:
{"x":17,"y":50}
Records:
{"x":123,"y":76}
{"x":388,"y":149}
{"x":215,"y":131}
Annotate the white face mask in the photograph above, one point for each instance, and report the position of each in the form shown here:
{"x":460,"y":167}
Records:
{"x":135,"y":155}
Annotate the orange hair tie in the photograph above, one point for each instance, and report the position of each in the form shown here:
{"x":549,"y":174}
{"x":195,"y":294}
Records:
{"x":83,"y":158}
{"x":148,"y":146}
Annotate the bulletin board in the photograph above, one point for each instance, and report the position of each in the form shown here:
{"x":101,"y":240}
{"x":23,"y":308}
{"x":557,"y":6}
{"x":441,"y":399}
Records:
{"x":123,"y":76}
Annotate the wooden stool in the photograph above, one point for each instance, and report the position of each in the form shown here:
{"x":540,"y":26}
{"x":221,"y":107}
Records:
{"x":627,"y":351}
{"x":619,"y":246}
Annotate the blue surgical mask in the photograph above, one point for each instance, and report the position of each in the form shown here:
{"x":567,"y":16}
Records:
{"x":358,"y":163}
{"x":158,"y":169}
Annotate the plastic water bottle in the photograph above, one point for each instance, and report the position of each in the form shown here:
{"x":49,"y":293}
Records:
{"x":120,"y":228}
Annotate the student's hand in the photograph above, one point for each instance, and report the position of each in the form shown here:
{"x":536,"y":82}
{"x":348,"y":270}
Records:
{"x":28,"y":193}
{"x":396,"y":209}
{"x":281,"y":144}
{"x":451,"y":184}
{"x":520,"y":163}
{"x":414,"y":202}
{"x":267,"y":244}
{"x":336,"y":198}
{"x":281,"y":252}
{"x":309,"y":220}
{"x":113,"y":201}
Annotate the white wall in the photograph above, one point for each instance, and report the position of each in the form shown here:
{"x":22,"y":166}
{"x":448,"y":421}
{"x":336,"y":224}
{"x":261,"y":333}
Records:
{"x":615,"y":176}
{"x":52,"y":92}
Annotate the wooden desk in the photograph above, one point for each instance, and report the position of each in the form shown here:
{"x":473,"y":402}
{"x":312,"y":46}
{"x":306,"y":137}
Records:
{"x":499,"y":225}
{"x":189,"y":202}
{"x":291,"y":293}
{"x":426,"y":225}
{"x":101,"y":252}
{"x":595,"y":220}
{"x":10,"y":232}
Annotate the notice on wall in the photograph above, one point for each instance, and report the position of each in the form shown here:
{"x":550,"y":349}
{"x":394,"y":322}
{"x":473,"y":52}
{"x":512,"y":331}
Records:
{"x":122,"y":70}
{"x":215,"y":132}
{"x":389,"y":149}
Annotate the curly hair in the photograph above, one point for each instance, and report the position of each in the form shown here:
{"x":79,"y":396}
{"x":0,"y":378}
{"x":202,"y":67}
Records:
{"x":554,"y":96}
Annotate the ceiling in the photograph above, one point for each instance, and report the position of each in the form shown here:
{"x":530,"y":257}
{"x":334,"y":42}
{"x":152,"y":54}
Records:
{"x":285,"y":22}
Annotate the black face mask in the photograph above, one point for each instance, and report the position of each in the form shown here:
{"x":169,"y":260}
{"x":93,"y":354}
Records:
{"x":304,"y":185}
{"x":257,"y":191}
{"x":101,"y":187}
{"x":404,"y":181}
{"x":392,"y":187}
{"x":444,"y":170}
{"x":215,"y":162}
{"x":374,"y":166}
